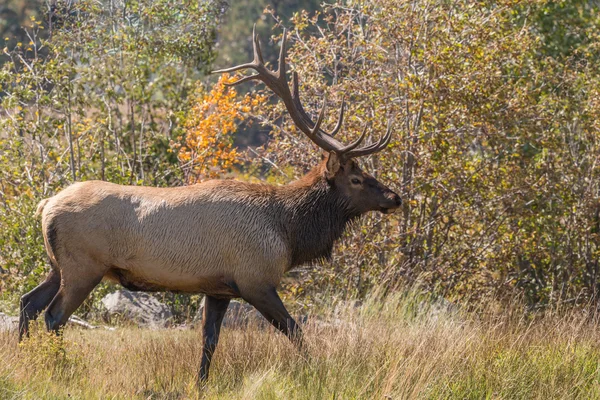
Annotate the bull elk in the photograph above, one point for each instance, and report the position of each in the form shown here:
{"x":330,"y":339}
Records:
{"x":224,"y":238}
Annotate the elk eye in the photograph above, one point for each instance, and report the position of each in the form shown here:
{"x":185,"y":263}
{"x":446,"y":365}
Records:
{"x":356,"y":181}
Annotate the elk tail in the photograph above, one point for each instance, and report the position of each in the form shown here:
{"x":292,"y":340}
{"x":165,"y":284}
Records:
{"x":40,"y":207}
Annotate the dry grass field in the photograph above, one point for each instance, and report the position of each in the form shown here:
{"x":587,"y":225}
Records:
{"x":397,"y":349}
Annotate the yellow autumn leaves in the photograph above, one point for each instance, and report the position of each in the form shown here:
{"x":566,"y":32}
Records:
{"x":207,"y":149}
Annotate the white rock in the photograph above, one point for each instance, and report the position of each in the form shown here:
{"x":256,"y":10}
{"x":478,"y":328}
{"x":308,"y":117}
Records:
{"x":8,"y":323}
{"x":138,"y":307}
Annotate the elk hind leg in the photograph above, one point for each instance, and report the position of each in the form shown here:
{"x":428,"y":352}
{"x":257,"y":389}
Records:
{"x":212,"y":318}
{"x":36,"y":300}
{"x":73,"y":291}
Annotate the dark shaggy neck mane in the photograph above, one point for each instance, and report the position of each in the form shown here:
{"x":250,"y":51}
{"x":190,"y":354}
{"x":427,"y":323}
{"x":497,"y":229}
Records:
{"x":317,"y":215}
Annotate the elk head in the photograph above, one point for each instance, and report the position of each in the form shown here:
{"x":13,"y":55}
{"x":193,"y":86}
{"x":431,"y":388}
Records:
{"x":362,"y":191}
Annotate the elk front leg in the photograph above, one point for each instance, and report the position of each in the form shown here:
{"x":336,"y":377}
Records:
{"x":212,"y":318}
{"x":268,"y":303}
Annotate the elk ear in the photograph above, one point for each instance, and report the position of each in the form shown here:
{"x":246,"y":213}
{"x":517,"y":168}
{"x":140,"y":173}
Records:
{"x":333,"y":165}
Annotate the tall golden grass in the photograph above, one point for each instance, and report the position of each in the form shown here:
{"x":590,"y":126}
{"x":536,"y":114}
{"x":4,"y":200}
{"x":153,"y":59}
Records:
{"x":404,"y":347}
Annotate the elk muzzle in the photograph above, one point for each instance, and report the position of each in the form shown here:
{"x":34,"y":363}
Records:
{"x":391,"y":202}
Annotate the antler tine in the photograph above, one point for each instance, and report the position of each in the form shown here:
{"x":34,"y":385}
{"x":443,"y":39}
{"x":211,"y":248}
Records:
{"x":340,"y":119}
{"x":236,"y":68}
{"x":355,"y":144}
{"x":244,"y":79}
{"x":373,"y":148}
{"x":388,"y":134}
{"x":298,"y":104}
{"x":281,"y":67}
{"x":258,"y":57}
{"x":317,"y":126}
{"x":387,"y":138}
{"x":296,"y":98}
{"x":257,"y":64}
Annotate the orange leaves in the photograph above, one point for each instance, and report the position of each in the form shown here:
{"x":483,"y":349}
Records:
{"x":207,"y":150}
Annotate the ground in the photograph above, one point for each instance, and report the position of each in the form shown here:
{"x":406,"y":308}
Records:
{"x":400,"y":348}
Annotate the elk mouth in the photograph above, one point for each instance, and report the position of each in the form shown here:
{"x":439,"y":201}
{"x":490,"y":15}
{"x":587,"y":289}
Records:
{"x":390,"y":210}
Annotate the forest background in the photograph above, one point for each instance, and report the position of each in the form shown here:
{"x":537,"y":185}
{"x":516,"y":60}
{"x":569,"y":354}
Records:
{"x":496,"y":131}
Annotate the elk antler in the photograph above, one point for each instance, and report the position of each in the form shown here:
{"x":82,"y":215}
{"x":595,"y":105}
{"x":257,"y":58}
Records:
{"x":277,"y":82}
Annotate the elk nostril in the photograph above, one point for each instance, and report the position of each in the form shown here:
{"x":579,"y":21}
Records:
{"x":398,"y":200}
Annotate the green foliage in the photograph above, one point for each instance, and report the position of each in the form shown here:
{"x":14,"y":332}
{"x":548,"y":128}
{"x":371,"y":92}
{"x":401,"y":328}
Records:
{"x":564,"y":27}
{"x":495,"y":150}
{"x":13,"y":15}
{"x":235,"y":33}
